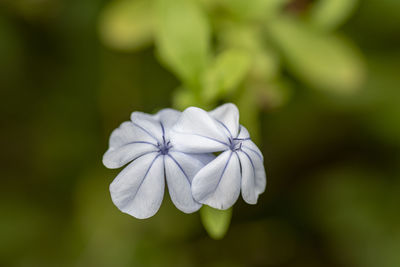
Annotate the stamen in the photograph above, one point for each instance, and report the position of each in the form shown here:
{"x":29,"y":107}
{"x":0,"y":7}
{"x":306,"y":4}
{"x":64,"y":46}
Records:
{"x":164,"y":147}
{"x":235,"y":144}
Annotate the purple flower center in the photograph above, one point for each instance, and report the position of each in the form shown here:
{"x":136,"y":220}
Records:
{"x":164,"y":147}
{"x":235,"y":144}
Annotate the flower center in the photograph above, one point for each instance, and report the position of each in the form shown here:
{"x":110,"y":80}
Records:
{"x":164,"y":147}
{"x":235,"y":144}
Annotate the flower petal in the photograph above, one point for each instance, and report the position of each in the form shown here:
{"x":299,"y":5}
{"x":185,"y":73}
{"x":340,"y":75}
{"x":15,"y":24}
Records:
{"x":218,"y":183}
{"x":203,"y":158}
{"x":127,"y":142}
{"x":253,"y":176}
{"x":138,"y":190}
{"x":117,"y":157}
{"x":243,"y":133}
{"x":197,"y":132}
{"x":249,"y":145}
{"x":127,"y":132}
{"x":228,"y":116}
{"x":180,"y":169}
{"x":168,"y":117}
{"x":148,"y":124}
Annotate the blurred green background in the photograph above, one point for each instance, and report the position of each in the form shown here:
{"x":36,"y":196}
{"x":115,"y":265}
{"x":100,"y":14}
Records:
{"x":317,"y":82}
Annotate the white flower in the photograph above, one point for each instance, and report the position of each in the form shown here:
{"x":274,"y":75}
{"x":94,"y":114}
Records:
{"x":145,"y":140}
{"x":238,"y":167}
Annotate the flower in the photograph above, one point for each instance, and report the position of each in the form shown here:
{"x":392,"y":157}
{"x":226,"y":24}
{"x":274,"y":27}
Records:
{"x":145,"y":141}
{"x":239,"y":167}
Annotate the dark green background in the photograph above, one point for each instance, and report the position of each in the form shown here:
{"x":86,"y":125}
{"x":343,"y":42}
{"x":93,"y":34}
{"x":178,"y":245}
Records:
{"x":332,"y":161}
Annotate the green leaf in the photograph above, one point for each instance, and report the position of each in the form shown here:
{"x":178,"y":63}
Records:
{"x":265,"y":64}
{"x":226,"y":73}
{"x":127,"y":24}
{"x":183,"y":98}
{"x":254,"y":9}
{"x":233,"y":34}
{"x":183,"y":39}
{"x":329,"y":14}
{"x":216,"y":222}
{"x":264,"y":59}
{"x":323,"y":61}
{"x":249,"y":111}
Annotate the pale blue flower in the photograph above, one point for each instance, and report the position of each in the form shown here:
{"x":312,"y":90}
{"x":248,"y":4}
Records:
{"x":145,"y":141}
{"x":239,"y":166}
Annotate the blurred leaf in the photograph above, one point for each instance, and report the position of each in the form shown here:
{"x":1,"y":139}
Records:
{"x":183,"y":38}
{"x":254,"y":9}
{"x":329,"y":14}
{"x":127,"y":24}
{"x":272,"y":94}
{"x":264,"y":59}
{"x":216,"y":222}
{"x":233,"y":35}
{"x":249,"y":112}
{"x":238,"y":35}
{"x":183,"y":98}
{"x":265,"y":65}
{"x":226,"y":73}
{"x":323,"y":61}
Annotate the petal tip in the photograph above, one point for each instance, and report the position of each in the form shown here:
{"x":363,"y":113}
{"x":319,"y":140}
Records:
{"x":107,"y":162}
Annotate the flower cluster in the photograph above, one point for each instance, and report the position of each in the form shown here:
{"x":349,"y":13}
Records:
{"x":181,"y":147}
